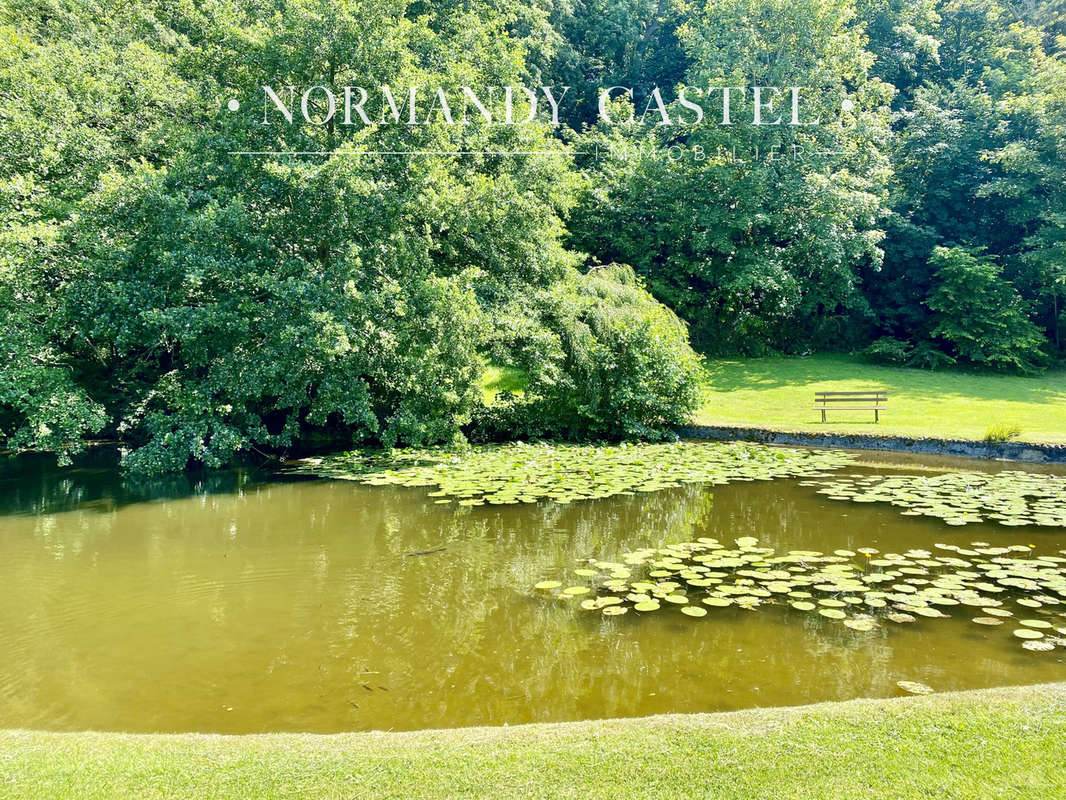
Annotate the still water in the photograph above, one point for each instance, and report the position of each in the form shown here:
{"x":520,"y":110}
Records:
{"x":252,"y":604}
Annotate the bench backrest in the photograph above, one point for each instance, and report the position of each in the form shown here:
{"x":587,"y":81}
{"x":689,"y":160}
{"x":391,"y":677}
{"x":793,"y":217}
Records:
{"x":872,"y":396}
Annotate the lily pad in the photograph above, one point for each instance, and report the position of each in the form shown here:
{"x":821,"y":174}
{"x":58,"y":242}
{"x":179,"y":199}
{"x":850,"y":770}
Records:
{"x":1038,"y":645}
{"x":501,"y":474}
{"x":860,"y":624}
{"x":1028,"y":633}
{"x":1012,"y":497}
{"x":914,"y":687}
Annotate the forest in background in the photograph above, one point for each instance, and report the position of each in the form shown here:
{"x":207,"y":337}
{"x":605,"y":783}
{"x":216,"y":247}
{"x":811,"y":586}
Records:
{"x":194,"y":304}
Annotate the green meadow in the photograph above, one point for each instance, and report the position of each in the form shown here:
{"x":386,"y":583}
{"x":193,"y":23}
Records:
{"x":778,"y":393}
{"x":997,"y":743}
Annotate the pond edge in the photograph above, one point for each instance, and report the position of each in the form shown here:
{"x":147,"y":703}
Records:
{"x":967,"y":448}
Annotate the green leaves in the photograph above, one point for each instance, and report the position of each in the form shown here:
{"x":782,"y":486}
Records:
{"x":897,"y":587}
{"x":979,"y":314}
{"x":200,"y":302}
{"x":603,"y":359}
{"x":756,"y":247}
{"x":1011,"y":497}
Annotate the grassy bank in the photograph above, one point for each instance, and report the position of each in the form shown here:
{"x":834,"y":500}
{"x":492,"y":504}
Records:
{"x":778,"y":393}
{"x":993,"y":744}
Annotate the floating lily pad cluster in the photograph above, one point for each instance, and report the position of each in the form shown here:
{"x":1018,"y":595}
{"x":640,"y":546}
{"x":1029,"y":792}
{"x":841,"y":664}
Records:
{"x":861,"y":589}
{"x":526,"y":473}
{"x":1010,"y":498}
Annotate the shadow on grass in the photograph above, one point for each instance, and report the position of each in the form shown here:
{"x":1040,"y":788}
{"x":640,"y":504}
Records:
{"x":812,"y":372}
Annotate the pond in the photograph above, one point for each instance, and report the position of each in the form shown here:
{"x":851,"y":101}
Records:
{"x":253,"y":603}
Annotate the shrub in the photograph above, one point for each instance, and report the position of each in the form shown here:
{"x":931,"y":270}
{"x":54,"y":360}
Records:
{"x":921,"y":355}
{"x":979,"y":315}
{"x":604,"y":359}
{"x":888,"y":350}
{"x":926,"y":355}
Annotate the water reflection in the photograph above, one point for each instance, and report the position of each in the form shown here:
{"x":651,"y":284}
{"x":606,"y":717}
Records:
{"x":30,"y":483}
{"x":298,"y":606}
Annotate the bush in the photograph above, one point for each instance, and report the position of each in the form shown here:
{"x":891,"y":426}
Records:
{"x":604,"y":359}
{"x":921,"y":355}
{"x":926,"y":355}
{"x":888,"y":350}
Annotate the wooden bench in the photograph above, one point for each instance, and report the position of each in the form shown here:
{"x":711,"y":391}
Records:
{"x":851,"y":401}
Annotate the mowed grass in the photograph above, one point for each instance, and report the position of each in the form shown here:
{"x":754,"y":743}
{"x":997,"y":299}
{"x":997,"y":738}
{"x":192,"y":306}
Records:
{"x":1001,"y":743}
{"x":499,"y":379}
{"x":778,"y":393}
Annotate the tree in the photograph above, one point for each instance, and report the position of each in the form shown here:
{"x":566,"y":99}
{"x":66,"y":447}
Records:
{"x":197,"y":291}
{"x":1033,"y":174}
{"x":754,"y":243}
{"x":603,"y":43}
{"x":979,"y":315}
{"x":975,"y":156}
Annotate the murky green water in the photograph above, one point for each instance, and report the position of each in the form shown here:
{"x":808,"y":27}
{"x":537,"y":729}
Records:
{"x":249,"y":605}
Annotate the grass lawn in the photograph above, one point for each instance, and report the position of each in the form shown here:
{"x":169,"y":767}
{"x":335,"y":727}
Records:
{"x":501,"y":379}
{"x":1000,"y":743}
{"x":778,"y":393}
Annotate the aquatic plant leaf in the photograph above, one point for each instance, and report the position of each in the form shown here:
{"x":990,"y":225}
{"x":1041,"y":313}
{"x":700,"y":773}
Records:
{"x":914,"y":687}
{"x":1039,"y":645}
{"x":1028,"y":633}
{"x":860,"y":624}
{"x":717,"y":602}
{"x":1011,"y":497}
{"x":503,"y":474}
{"x":913,"y":584}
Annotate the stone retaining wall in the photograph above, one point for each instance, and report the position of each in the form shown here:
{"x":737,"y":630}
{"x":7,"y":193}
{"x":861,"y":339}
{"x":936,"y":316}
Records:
{"x":1014,"y":451}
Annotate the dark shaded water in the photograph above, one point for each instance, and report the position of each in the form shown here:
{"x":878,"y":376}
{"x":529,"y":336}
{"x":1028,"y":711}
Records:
{"x":240,"y":604}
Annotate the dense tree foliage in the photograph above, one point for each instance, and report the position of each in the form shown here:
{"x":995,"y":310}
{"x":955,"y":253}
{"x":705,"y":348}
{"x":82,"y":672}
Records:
{"x":834,"y":253}
{"x":977,"y":146}
{"x":752,"y":233}
{"x":170,"y":277}
{"x":979,"y":316}
{"x":199,"y":302}
{"x":602,"y":358}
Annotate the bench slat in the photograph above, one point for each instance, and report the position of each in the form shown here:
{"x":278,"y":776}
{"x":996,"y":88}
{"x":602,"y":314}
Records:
{"x":851,"y":408}
{"x":851,"y":394}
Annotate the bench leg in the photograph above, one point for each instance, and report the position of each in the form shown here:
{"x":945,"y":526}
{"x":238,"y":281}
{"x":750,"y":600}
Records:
{"x":823,"y":415}
{"x":876,"y":418}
